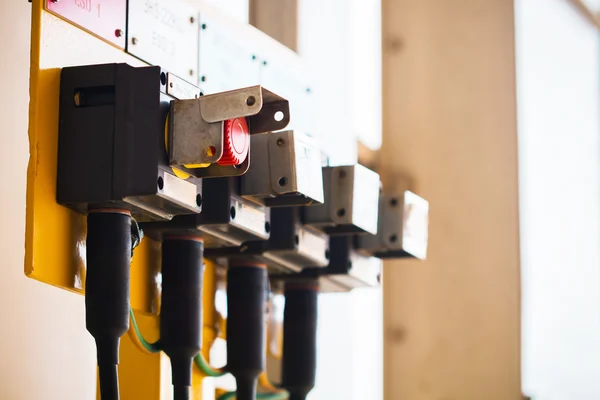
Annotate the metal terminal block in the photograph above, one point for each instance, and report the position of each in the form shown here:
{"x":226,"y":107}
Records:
{"x":174,"y":196}
{"x":311,"y":250}
{"x":290,"y":248}
{"x":285,"y":170}
{"x":295,"y":246}
{"x":403,"y":228}
{"x":347,"y":269}
{"x":351,"y":201}
{"x":196,"y":127}
{"x":247,"y":221}
{"x":227,"y":219}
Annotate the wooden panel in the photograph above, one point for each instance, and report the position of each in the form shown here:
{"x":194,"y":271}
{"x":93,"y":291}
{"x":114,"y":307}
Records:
{"x":452,"y":323}
{"x":278,"y":19}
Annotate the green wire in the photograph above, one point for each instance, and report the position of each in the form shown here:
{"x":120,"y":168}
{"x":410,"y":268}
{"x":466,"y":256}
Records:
{"x":202,"y":365}
{"x":273,"y":396}
{"x":262,"y":396}
{"x":151,"y":347}
{"x":155,"y":348}
{"x":207,"y":369}
{"x":226,"y":396}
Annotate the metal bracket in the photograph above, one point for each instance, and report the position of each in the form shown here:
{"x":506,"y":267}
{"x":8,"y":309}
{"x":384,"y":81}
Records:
{"x":285,"y":171}
{"x":196,"y":125}
{"x":351,"y":201}
{"x":402,"y":230}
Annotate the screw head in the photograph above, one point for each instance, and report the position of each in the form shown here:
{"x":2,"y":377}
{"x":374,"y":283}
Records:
{"x":134,"y":41}
{"x":119,"y":33}
{"x":192,"y":20}
{"x":191,"y":72}
{"x":54,"y":1}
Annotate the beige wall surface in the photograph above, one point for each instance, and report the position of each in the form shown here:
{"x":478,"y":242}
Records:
{"x":452,"y":324}
{"x":46,"y":351}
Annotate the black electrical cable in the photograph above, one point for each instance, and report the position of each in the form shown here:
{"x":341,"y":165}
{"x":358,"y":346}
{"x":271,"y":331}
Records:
{"x":299,"y":358}
{"x":108,"y":255}
{"x":181,"y":308}
{"x":109,"y":382}
{"x":181,"y":392}
{"x":246,"y":301}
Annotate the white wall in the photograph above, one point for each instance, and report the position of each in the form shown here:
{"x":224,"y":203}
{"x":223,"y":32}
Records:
{"x":324,"y":44}
{"x":558,"y":71}
{"x":238,"y":9}
{"x":340,"y":41}
{"x":46,"y":351}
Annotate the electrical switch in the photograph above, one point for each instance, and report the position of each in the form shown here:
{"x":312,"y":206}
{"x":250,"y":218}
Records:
{"x":208,"y":136}
{"x":285,"y":171}
{"x":237,"y":210}
{"x":109,"y":151}
{"x":300,"y":235}
{"x":355,"y":260}
{"x":133,"y":146}
{"x":236,"y":142}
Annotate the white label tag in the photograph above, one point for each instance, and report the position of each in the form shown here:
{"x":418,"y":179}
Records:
{"x":181,"y":89}
{"x":165,"y":33}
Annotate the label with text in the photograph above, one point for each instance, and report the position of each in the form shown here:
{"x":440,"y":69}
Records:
{"x":104,"y":18}
{"x":165,"y":33}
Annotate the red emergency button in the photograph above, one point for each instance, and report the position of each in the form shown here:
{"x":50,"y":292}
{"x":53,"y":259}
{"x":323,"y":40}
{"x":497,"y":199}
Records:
{"x":236,"y":142}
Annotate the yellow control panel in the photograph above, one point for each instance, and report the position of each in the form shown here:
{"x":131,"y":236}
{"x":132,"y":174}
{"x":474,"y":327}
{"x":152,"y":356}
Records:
{"x":85,"y":32}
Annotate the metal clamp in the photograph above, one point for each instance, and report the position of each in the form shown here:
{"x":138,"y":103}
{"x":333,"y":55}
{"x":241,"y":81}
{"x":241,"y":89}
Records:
{"x":347,"y":269}
{"x":196,"y":126}
{"x":285,"y":171}
{"x":403,"y":228}
{"x":351,"y":201}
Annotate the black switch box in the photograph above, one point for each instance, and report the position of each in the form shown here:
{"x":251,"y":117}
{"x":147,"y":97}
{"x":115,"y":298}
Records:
{"x":111,"y":146}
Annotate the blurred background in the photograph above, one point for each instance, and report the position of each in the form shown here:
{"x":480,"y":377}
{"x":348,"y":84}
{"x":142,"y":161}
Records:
{"x":489,"y":109}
